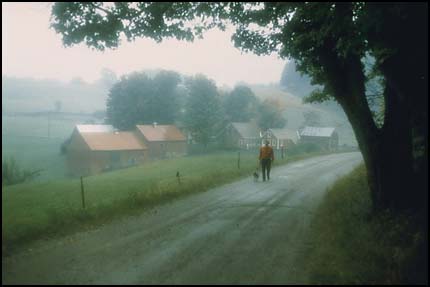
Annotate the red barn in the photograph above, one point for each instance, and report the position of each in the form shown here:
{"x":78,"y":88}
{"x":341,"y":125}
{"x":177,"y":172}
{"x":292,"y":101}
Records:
{"x":96,"y":148}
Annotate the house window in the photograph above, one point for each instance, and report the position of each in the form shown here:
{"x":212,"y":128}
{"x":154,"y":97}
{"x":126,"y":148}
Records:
{"x":114,"y":156}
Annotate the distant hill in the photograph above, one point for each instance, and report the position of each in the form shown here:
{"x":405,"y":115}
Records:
{"x":294,"y":82}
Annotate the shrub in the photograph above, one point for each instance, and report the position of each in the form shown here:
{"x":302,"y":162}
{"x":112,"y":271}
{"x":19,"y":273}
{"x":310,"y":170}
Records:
{"x":13,"y":174}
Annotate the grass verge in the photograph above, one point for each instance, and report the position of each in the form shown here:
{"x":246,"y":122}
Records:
{"x":352,"y":246}
{"x":33,"y":211}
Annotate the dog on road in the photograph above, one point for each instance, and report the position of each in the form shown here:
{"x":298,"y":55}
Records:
{"x":256,"y":175}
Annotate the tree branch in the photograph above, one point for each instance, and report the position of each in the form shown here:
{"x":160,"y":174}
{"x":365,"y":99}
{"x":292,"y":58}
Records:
{"x":101,"y":8}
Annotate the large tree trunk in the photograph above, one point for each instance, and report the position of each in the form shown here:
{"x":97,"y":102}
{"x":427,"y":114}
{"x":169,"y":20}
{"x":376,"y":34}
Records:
{"x":395,"y":154}
{"x":387,"y":152}
{"x":404,"y":137}
{"x":406,"y":120}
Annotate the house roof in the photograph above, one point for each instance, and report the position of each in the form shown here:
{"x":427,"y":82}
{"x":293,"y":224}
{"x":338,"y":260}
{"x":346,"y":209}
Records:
{"x":247,"y":130}
{"x":161,"y":132}
{"x":284,"y":134}
{"x":94,"y":128}
{"x":106,"y":141}
{"x":317,"y":132}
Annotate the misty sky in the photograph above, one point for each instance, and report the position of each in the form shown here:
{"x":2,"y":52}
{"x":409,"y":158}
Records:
{"x":31,"y":49}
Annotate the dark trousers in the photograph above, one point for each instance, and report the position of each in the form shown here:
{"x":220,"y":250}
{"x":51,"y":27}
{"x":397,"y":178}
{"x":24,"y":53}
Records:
{"x":265,"y":166}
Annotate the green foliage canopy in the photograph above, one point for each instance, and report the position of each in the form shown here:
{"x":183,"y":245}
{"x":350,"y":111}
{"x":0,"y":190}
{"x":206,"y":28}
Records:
{"x":139,"y":99}
{"x":203,"y":113}
{"x":270,"y":115}
{"x":241,"y":104}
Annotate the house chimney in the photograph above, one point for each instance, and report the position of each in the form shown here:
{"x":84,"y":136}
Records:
{"x":154,"y":124}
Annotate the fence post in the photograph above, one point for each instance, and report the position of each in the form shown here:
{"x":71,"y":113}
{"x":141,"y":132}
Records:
{"x":238,"y":160}
{"x":49,"y":124}
{"x":82,"y":193}
{"x":179,"y":177}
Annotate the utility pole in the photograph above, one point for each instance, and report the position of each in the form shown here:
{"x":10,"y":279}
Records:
{"x":82,"y":193}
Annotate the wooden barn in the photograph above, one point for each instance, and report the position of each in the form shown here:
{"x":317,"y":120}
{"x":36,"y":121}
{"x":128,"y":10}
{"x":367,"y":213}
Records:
{"x":281,"y":138}
{"x":163,"y":141}
{"x":96,"y":148}
{"x":327,"y":138}
{"x":242,"y":135}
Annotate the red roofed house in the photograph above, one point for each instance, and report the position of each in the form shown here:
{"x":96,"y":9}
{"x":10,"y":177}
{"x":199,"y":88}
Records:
{"x":162,"y":140}
{"x":95,"y":148}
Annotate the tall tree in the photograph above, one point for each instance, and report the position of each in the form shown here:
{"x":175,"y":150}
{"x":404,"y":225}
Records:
{"x":139,"y":99}
{"x":241,"y":104}
{"x":166,"y":96}
{"x":328,"y":42}
{"x":124,"y":103}
{"x":270,"y":114}
{"x":203,"y":109}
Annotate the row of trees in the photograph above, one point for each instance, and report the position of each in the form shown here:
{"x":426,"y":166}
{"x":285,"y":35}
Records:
{"x":194,"y":102}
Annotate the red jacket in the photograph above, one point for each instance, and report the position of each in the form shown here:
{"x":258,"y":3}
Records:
{"x":266,"y":152}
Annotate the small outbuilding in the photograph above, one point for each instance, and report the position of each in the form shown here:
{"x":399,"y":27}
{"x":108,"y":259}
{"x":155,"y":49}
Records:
{"x":281,"y":138}
{"x":243,"y":135}
{"x":327,"y":138}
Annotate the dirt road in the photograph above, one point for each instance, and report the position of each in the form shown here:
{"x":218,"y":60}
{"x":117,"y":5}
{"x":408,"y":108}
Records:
{"x":244,"y":232}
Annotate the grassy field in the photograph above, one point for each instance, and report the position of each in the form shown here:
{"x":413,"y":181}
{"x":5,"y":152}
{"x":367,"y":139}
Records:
{"x":36,"y":210}
{"x":349,"y":246}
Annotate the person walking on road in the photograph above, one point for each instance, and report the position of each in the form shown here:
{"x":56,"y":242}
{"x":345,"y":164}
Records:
{"x":266,"y":159}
